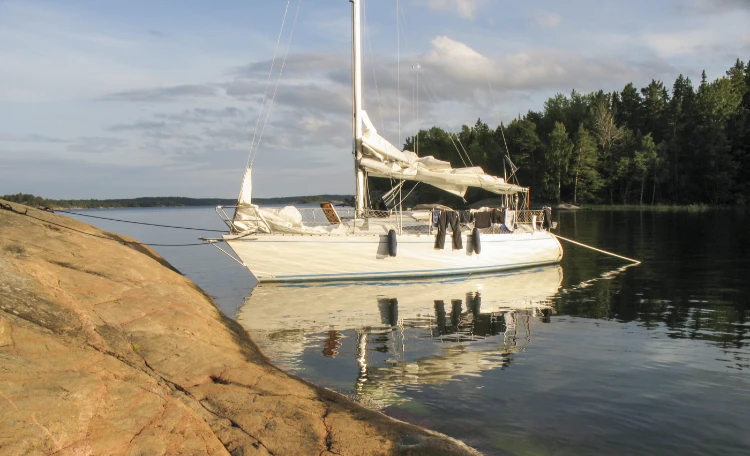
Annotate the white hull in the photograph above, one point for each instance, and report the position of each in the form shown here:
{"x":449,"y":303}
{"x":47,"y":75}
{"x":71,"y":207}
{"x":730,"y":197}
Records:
{"x":300,"y":258}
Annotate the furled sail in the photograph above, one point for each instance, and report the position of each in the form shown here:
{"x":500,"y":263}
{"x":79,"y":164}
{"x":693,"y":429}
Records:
{"x":382,"y":159}
{"x":246,"y":192}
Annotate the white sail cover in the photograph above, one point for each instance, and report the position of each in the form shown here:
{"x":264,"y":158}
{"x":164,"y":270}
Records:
{"x":382,"y":159}
{"x":246,"y":192}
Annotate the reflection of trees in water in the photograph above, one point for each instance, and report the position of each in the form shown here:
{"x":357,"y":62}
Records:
{"x":720,"y":322}
{"x":692,"y":282}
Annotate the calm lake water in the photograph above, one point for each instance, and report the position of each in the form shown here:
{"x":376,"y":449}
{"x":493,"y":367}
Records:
{"x":581,"y":358}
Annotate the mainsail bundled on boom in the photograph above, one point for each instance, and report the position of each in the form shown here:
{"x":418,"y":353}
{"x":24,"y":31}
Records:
{"x":382,"y":159}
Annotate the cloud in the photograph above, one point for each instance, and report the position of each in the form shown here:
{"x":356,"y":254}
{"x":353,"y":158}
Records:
{"x":158,"y":130}
{"x":204,"y":115}
{"x":713,"y":6}
{"x":32,"y":138}
{"x":97,"y":144}
{"x":165,"y":94}
{"x":144,"y":125}
{"x":467,"y":9}
{"x":298,"y":63}
{"x":546,"y":19}
{"x":312,"y":108}
{"x":697,"y":41}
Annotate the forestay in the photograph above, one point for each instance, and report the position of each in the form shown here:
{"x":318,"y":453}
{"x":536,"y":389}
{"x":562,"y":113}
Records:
{"x":382,"y":159}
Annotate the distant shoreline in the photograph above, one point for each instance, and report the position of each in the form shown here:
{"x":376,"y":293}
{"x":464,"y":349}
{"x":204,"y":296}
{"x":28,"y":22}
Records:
{"x":165,"y":201}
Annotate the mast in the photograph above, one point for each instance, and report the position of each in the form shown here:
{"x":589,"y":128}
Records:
{"x":359,"y":190}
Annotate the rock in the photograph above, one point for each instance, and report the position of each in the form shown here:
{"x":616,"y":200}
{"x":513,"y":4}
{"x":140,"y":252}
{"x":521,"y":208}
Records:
{"x":566,"y":207}
{"x":105,"y":349}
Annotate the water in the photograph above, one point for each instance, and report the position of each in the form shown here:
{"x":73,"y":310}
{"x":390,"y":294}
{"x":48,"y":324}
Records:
{"x":586,"y":358}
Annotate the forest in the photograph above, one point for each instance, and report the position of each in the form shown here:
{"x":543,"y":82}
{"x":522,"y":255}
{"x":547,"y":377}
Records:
{"x":686,"y":144}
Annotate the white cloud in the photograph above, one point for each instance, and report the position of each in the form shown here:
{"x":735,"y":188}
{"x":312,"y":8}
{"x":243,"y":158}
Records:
{"x":714,"y":6}
{"x":698,"y":41}
{"x":444,"y":47}
{"x":546,"y":19}
{"x":467,"y":9}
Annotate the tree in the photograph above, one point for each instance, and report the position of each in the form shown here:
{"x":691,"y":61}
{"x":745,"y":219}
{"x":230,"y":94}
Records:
{"x":622,"y":158}
{"x":629,"y":110}
{"x":608,"y":134}
{"x":560,"y":152}
{"x":645,"y":160}
{"x":679,"y":117}
{"x":586,"y":180}
{"x":655,"y":102}
{"x":525,"y":149}
{"x":716,"y":103}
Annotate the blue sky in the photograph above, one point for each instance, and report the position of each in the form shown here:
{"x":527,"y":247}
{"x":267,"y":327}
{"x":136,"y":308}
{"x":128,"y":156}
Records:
{"x":108,"y":99}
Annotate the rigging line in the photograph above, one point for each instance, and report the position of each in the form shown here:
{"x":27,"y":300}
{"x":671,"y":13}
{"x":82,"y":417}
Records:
{"x":278,"y":79}
{"x":458,"y":138}
{"x":400,"y":31}
{"x":416,"y":79}
{"x":398,"y":66}
{"x":8,"y":207}
{"x":431,"y":96}
{"x":502,"y":130}
{"x":494,"y":101}
{"x":374,"y":74}
{"x":268,"y":83}
{"x":363,"y":23}
{"x":140,"y":223}
{"x":407,"y":195}
{"x":404,"y":24}
{"x":413,"y":112}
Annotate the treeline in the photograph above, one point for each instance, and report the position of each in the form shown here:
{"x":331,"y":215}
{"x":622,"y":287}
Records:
{"x":167,"y":201}
{"x":651,"y":145}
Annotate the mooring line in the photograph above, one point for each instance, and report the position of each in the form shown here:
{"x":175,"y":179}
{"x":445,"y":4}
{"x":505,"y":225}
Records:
{"x":139,"y":223}
{"x":25,"y":213}
{"x":594,"y":248}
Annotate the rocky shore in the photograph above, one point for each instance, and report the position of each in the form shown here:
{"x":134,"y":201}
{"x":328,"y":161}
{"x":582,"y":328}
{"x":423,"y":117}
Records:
{"x":106,"y":349}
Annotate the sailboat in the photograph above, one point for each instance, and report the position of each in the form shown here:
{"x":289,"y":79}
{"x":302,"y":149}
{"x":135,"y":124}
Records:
{"x":388,"y":241}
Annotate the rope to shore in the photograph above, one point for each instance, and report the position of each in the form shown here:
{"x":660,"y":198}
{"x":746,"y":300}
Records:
{"x":10,"y":208}
{"x":140,"y":223}
{"x":598,"y":250}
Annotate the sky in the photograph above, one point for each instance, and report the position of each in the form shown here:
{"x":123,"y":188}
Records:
{"x":105,"y":99}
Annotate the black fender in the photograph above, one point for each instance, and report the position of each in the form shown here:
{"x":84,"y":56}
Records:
{"x":392,"y":243}
{"x":475,"y":241}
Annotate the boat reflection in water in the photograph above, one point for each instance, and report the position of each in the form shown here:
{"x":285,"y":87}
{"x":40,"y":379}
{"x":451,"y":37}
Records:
{"x":383,"y":336}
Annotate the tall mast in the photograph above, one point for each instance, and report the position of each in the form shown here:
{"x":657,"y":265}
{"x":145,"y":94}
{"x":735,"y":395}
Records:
{"x":359,"y":191}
